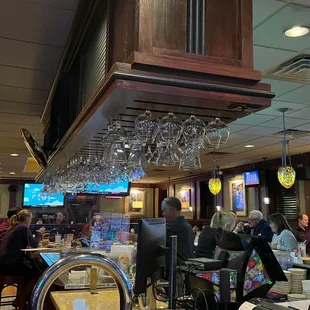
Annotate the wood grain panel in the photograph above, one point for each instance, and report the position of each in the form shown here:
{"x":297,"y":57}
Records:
{"x":145,"y":22}
{"x":246,"y":32}
{"x":194,"y":64}
{"x":169,"y":24}
{"x":121,"y":30}
{"x":223,"y":29}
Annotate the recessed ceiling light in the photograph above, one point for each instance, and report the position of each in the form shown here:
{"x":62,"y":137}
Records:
{"x":249,"y":145}
{"x":297,"y":31}
{"x":12,"y":172}
{"x":14,"y":154}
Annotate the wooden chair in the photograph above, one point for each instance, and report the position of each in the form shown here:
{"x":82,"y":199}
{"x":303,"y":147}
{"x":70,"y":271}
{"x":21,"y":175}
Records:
{"x":13,"y":281}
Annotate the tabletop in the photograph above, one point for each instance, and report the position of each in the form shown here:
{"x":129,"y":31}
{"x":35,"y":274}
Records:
{"x":76,"y":300}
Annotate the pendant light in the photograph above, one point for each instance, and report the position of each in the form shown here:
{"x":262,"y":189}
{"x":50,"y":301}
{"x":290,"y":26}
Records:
{"x":286,"y":173}
{"x":215,"y":184}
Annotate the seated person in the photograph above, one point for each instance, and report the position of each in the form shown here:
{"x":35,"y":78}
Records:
{"x":59,"y":218}
{"x":256,"y":226}
{"x":6,"y":224}
{"x":220,"y":222}
{"x":302,"y":229}
{"x":283,"y":238}
{"x":87,"y":229}
{"x":17,"y":237}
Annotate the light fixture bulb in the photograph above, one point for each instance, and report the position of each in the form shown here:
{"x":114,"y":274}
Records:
{"x":249,"y":145}
{"x":296,"y":31}
{"x":12,"y":172}
{"x":215,"y":186}
{"x":14,"y":155}
{"x":266,"y":200}
{"x":286,"y":176}
{"x":218,"y":208}
{"x":190,"y":209}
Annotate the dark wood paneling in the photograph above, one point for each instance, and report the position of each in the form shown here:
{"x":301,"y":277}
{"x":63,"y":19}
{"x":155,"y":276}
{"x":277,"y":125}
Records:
{"x":121,"y":30}
{"x":169,"y":24}
{"x":223,"y":29}
{"x":145,"y":25}
{"x":246,"y":32}
{"x":197,"y":64}
{"x":307,"y":195}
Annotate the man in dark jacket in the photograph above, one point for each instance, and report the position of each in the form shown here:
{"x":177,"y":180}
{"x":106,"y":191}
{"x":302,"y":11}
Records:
{"x":302,"y":230}
{"x":256,"y":226}
{"x":176,"y":225}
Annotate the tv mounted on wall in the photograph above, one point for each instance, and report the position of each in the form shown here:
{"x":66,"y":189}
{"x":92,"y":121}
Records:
{"x":33,"y":197}
{"x":117,"y":189}
{"x":251,"y":178}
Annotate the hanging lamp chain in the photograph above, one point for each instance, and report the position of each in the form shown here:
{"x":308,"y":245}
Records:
{"x":213,"y":165}
{"x":284,"y":144}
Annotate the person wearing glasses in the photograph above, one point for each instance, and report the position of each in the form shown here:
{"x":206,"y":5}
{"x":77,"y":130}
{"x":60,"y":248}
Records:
{"x":256,"y":226}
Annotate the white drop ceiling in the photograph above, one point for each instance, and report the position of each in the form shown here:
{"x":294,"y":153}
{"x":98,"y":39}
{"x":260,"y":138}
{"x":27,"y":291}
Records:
{"x":33,"y":34}
{"x":271,"y":48}
{"x":32,"y":42}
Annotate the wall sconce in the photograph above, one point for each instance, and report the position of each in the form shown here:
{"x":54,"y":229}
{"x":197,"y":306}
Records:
{"x":266,"y":200}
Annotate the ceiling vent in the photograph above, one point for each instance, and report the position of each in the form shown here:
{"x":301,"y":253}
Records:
{"x":292,"y":134}
{"x":296,"y":69}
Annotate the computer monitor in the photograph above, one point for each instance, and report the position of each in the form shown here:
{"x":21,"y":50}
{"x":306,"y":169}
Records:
{"x":258,"y":269}
{"x":150,"y":256}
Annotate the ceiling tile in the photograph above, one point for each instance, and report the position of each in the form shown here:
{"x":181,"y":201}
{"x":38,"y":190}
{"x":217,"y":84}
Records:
{"x":236,"y":128}
{"x":26,"y":78}
{"x":305,"y":127}
{"x":20,"y":108}
{"x":17,"y":94}
{"x":277,"y":104}
{"x":270,"y":33}
{"x":19,"y":119}
{"x":31,"y":22}
{"x":258,"y":131}
{"x":253,"y":119}
{"x":263,"y":8}
{"x":281,"y":87}
{"x":302,"y":113}
{"x":17,"y":128}
{"x":266,"y":58}
{"x":28,"y":55}
{"x":301,"y":95}
{"x":289,"y":122}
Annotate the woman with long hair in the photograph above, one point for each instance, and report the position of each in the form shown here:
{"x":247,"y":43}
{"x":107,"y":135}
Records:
{"x":222,"y":224}
{"x":17,"y":237}
{"x":12,"y":260}
{"x":283,"y":238}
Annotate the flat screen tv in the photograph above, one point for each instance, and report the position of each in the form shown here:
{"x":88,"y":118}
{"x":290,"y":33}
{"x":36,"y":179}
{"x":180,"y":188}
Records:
{"x":117,"y":189}
{"x":251,"y":178}
{"x":34,"y":197}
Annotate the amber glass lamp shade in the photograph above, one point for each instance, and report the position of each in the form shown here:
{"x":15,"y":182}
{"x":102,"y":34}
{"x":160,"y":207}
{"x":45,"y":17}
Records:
{"x":286,"y":176}
{"x":215,"y":186}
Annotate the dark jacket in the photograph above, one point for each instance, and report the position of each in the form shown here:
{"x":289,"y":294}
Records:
{"x":262,"y":229}
{"x":300,"y":234}
{"x":207,"y":242}
{"x":184,"y":231}
{"x":20,"y":237}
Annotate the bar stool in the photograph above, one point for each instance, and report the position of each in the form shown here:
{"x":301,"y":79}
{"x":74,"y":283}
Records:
{"x":14,"y":281}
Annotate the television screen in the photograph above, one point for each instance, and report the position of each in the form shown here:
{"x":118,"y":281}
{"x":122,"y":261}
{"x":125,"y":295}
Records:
{"x":251,"y":178}
{"x":33,"y":196}
{"x":117,"y":189}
